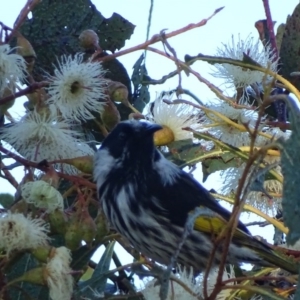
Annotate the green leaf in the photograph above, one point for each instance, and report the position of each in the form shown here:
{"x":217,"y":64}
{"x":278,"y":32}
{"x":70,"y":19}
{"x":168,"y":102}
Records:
{"x":24,"y":264}
{"x":223,"y":162}
{"x":279,"y":35}
{"x":141,"y":95}
{"x":56,"y":25}
{"x":114,"y":31}
{"x":6,"y":200}
{"x":289,"y":50}
{"x":97,"y":283}
{"x":82,"y":256}
{"x":290,"y":160}
{"x":103,"y":266}
{"x":184,"y":152}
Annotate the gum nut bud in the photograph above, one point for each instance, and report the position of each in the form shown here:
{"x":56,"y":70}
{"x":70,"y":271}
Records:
{"x":24,"y":48}
{"x":89,"y":40}
{"x":5,"y":106}
{"x":36,"y":98}
{"x":20,"y":207}
{"x":110,"y":115}
{"x":84,"y":164}
{"x":6,"y":200}
{"x":102,"y":228}
{"x":118,"y":92}
{"x":41,"y":253}
{"x":51,"y":177}
{"x":58,"y":221}
{"x":163,"y":136}
{"x":73,"y":235}
{"x":88,"y":227}
{"x":35,"y":276}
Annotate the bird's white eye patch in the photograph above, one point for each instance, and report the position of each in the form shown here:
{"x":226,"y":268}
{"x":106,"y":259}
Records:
{"x":104,"y":162}
{"x":167,"y":170}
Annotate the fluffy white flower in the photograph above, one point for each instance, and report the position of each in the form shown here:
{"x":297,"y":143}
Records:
{"x":212,"y":280}
{"x":258,"y":198}
{"x":77,"y":88}
{"x":41,"y":194}
{"x":231,"y":177}
{"x":19,"y":233}
{"x":275,"y":133}
{"x":239,"y":77}
{"x":39,"y":136}
{"x":12,"y":68}
{"x":176,"y":291}
{"x":173,"y":116}
{"x":263,"y":203}
{"x":224,"y":131}
{"x":58,"y":274}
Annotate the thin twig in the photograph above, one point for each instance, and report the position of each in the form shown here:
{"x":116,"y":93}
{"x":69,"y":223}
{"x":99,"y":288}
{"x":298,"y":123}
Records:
{"x":270,"y":26}
{"x":157,"y":38}
{"x":28,"y":7}
{"x":161,"y":80}
{"x":30,"y":89}
{"x":259,"y":223}
{"x":27,"y":163}
{"x":8,"y":176}
{"x":185,"y":66}
{"x":177,"y":62}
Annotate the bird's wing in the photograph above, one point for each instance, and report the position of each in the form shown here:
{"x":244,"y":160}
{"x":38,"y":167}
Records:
{"x":214,"y":224}
{"x":181,"y":195}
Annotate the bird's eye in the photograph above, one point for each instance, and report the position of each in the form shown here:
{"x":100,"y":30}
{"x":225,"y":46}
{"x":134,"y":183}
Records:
{"x":122,"y":136}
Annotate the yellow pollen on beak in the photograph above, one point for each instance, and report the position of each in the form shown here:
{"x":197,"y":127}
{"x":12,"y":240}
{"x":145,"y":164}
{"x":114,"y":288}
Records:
{"x":163,"y":136}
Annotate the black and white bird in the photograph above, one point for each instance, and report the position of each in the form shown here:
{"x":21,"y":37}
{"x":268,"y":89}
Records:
{"x":148,"y":200}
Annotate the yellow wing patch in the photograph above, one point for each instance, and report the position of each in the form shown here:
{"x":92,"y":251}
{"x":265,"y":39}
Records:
{"x":213,"y":224}
{"x":210,"y":224}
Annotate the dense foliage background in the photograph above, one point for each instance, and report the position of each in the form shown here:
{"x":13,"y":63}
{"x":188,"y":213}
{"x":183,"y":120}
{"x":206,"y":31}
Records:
{"x":64,"y":59}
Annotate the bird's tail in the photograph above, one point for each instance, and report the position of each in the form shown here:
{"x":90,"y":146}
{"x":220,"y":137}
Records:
{"x":274,"y":258}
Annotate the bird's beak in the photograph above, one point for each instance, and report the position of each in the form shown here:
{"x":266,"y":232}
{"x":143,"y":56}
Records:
{"x":151,"y":128}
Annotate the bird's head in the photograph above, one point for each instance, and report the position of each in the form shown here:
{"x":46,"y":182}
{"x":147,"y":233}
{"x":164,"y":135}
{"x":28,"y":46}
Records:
{"x":131,"y":140}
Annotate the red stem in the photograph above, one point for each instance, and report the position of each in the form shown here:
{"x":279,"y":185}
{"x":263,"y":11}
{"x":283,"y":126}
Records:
{"x":270,"y":26}
{"x":31,"y":88}
{"x":44,"y":168}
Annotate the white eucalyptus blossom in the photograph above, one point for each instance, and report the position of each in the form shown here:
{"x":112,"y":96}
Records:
{"x":173,"y":116}
{"x":196,"y":285}
{"x":77,"y":88}
{"x":231,"y":178}
{"x":265,"y":196}
{"x":58,"y":274}
{"x":176,"y":291}
{"x":239,"y":77}
{"x":20,"y":233}
{"x":39,"y":136}
{"x":226,"y":132}
{"x":42,"y":195}
{"x":12,"y":68}
{"x":275,"y":133}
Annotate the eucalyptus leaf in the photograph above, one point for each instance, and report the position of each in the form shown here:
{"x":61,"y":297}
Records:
{"x":141,"y":95}
{"x":56,"y":25}
{"x":21,"y":266}
{"x":289,"y":50}
{"x":6,"y":200}
{"x":290,"y":160}
{"x":97,"y":283}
